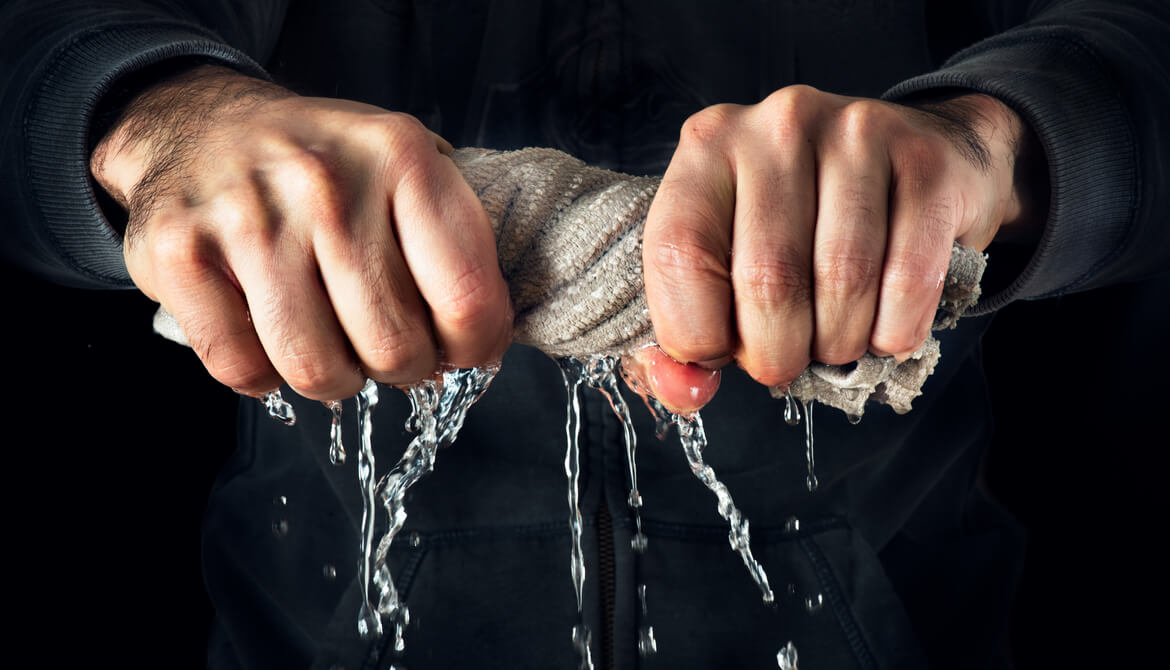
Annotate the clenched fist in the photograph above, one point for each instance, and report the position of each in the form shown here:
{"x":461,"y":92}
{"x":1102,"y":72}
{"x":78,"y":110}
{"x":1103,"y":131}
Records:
{"x":814,"y":226}
{"x":309,"y":240}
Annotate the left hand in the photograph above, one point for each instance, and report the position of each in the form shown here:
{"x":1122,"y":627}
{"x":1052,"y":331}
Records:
{"x":814,"y":226}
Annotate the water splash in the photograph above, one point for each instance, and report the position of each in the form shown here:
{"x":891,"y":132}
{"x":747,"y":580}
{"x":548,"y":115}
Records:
{"x":278,"y":408}
{"x":811,"y":479}
{"x":786,"y":657}
{"x":647,"y":645}
{"x":573,"y":372}
{"x":791,"y":411}
{"x":369,"y":623}
{"x":438,"y":410}
{"x":336,"y":448}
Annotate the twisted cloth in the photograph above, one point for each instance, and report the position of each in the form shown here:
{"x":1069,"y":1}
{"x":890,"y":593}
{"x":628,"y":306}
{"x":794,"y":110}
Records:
{"x":569,"y":238}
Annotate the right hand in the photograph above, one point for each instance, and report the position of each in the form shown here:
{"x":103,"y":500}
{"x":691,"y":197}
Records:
{"x":309,"y":240}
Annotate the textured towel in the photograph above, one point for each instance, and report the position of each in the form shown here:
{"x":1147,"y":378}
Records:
{"x":570,"y":247}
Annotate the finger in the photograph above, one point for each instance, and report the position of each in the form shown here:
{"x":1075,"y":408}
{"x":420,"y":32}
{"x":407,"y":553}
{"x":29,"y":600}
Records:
{"x":685,"y":246}
{"x":373,"y":295}
{"x":450,"y":250}
{"x":923,"y":219}
{"x":211,"y":312}
{"x":682,"y":387}
{"x":274,"y":264}
{"x":771,"y":261}
{"x":849,"y":247}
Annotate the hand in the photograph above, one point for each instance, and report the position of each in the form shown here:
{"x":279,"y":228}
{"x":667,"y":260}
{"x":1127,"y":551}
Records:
{"x":312,"y":240}
{"x":817,"y":226}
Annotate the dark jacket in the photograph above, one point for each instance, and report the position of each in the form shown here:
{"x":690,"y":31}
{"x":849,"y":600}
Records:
{"x":909,"y":563}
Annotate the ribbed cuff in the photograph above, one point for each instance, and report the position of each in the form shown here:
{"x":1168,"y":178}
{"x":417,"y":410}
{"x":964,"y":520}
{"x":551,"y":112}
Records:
{"x":56,"y":131}
{"x":1062,"y":89}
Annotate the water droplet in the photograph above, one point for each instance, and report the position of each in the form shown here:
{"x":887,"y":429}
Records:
{"x":813,"y":604}
{"x":329,"y":571}
{"x":415,"y":539}
{"x":792,"y":525}
{"x":811,"y":480}
{"x":336,"y":448}
{"x":853,"y":418}
{"x":581,"y":642}
{"x":639,"y":542}
{"x":280,"y":501}
{"x":647,"y":645}
{"x":280,"y":527}
{"x":278,"y":408}
{"x":791,"y":412}
{"x":791,"y":589}
{"x":786,"y":657}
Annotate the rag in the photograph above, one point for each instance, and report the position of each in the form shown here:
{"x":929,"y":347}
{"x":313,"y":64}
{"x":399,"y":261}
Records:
{"x":569,"y":241}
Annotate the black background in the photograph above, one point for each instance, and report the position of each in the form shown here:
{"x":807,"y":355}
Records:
{"x":114,"y":437}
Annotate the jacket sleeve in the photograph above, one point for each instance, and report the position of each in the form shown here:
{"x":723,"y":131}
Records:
{"x":58,"y":61}
{"x":1093,"y":81}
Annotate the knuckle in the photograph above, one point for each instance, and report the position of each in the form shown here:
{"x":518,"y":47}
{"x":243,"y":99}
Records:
{"x":685,"y":256}
{"x":912,"y":274}
{"x":919,"y":162}
{"x":313,"y":374}
{"x":182,"y":251}
{"x":243,"y":220}
{"x":792,"y":106}
{"x":471,"y":298}
{"x":227,"y":361}
{"x":862,"y":120}
{"x":401,"y":353}
{"x":708,"y":124}
{"x":777,"y":280}
{"x":840,"y":273}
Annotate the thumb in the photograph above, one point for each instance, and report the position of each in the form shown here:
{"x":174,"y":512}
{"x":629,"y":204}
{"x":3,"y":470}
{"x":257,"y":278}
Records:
{"x":682,"y":387}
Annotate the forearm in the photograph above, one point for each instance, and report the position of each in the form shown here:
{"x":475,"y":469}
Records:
{"x":1092,"y":80}
{"x":60,"y":63}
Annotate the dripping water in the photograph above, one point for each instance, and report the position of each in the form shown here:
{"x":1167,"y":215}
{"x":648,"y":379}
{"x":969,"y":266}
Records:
{"x":791,"y":411}
{"x":811,"y":479}
{"x":600,"y":373}
{"x":369,"y":623}
{"x":438,"y":410}
{"x":278,"y":408}
{"x":336,"y":448}
{"x":813,"y":603}
{"x":647,"y":645}
{"x":573,"y":373}
{"x":694,"y":440}
{"x":786,"y":657}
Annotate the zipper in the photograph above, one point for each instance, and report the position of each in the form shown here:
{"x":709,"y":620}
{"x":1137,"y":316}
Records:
{"x":607,"y":577}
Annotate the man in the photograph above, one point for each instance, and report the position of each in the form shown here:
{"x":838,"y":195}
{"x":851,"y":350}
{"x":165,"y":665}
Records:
{"x":319,"y":241}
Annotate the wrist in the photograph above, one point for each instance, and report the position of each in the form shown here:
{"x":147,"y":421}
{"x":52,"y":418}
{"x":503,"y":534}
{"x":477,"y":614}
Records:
{"x":994,"y":137}
{"x":176,"y":108}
